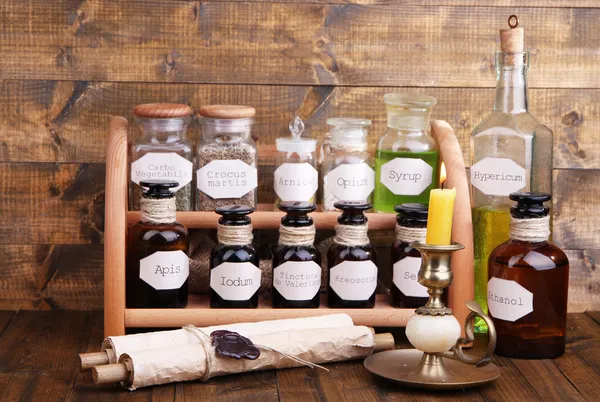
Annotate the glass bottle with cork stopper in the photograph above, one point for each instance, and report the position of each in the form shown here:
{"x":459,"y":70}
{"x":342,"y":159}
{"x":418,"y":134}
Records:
{"x":407,"y":162}
{"x":235,"y":274}
{"x":227,"y":158}
{"x":296,"y":177}
{"x":528,"y":284}
{"x":157,"y":265}
{"x":162,"y":151}
{"x":296,"y":261}
{"x":347,"y":167}
{"x":352,"y":260}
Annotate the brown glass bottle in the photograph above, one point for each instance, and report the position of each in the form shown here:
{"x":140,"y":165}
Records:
{"x":301,"y":280}
{"x":520,"y":270}
{"x":235,"y":273}
{"x":351,"y":285}
{"x":157,"y":265}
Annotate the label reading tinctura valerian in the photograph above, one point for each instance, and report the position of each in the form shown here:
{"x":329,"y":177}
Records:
{"x":297,"y":280}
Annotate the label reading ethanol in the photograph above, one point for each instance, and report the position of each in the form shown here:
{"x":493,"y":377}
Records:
{"x":354,"y":280}
{"x":508,"y":300}
{"x":227,"y":179}
{"x":162,"y":166}
{"x":297,"y":280}
{"x":296,"y":181}
{"x":406,"y":272}
{"x":351,"y":182}
{"x":498,"y":176}
{"x":406,"y":176}
{"x":165,"y":270}
{"x":235,"y":280}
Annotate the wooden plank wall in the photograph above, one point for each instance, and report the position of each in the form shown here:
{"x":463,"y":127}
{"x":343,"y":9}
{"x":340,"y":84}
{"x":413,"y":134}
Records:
{"x":67,"y":66}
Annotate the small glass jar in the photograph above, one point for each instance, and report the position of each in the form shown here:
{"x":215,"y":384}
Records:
{"x":162,"y":151}
{"x":347,"y":168}
{"x":226,"y":160}
{"x":296,"y":177}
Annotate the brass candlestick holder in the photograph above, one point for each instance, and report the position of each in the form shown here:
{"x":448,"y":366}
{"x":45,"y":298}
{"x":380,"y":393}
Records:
{"x":438,"y":362}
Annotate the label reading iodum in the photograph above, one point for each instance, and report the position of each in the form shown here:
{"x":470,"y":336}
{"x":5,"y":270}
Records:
{"x":162,"y":166}
{"x":406,"y":176}
{"x":351,"y":182}
{"x":296,"y":181}
{"x":498,"y":176}
{"x":165,"y":270}
{"x":235,"y":280}
{"x":226,"y":179}
{"x":354,"y":280}
{"x":297,"y":280}
{"x":406,"y":277}
{"x":508,"y":300}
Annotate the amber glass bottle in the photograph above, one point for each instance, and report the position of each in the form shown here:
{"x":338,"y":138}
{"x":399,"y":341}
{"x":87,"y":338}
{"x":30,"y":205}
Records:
{"x":235,"y":274}
{"x":296,"y":261}
{"x":351,"y":260}
{"x":528,"y":284}
{"x":157,"y":264}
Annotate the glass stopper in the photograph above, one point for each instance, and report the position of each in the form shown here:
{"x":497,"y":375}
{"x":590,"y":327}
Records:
{"x":296,"y":127}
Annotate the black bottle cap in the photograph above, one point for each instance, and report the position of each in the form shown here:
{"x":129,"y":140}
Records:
{"x":353,"y":212}
{"x":412,"y":214}
{"x":234,"y":215}
{"x":529,"y":205}
{"x":158,"y":188}
{"x":296,"y":213}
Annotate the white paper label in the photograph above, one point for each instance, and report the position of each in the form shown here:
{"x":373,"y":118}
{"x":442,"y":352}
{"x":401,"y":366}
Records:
{"x":162,"y":166}
{"x":227,"y":179}
{"x":296,"y":181}
{"x":354,"y":280}
{"x":297,"y":280}
{"x":351,"y":182}
{"x":406,"y":176}
{"x":498,"y":176}
{"x":406,"y":277}
{"x":235,"y":280}
{"x":508,"y":300}
{"x":165,"y":270}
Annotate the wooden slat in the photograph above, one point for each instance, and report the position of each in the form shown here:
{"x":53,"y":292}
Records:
{"x":277,"y":43}
{"x":584,"y":280}
{"x":250,"y":387}
{"x":472,"y":3}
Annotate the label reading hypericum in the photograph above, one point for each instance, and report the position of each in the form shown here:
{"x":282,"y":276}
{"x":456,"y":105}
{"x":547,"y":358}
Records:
{"x":354,"y":280}
{"x":351,"y":182}
{"x":226,"y":179}
{"x":162,"y":166}
{"x":406,"y":277}
{"x":297,"y":280}
{"x":498,"y":176}
{"x":508,"y":300}
{"x":165,"y":270}
{"x":406,"y":176}
{"x":296,"y":181}
{"x":235,"y":280}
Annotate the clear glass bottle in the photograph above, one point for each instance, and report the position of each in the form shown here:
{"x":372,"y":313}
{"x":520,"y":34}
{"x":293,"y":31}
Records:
{"x":296,"y":177}
{"x":407,"y":162}
{"x":226,"y":160}
{"x":157,"y":264}
{"x":528,"y":284}
{"x":162,"y":151}
{"x":347,"y":167}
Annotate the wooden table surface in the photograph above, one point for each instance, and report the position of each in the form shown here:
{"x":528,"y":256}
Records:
{"x":38,"y":362}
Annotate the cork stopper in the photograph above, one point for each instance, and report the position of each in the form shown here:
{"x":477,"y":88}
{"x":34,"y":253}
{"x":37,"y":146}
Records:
{"x":511,"y":40}
{"x":227,"y":111}
{"x":162,"y":110}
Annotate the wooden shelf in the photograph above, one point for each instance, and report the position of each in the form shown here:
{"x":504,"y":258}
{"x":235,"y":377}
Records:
{"x":199,"y":313}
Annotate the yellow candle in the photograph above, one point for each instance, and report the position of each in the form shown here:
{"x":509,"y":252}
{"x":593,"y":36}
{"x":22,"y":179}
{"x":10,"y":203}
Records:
{"x":439,"y":221}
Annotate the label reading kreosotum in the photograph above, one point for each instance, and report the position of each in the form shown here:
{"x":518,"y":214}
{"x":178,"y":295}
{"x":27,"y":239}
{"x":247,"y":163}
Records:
{"x":162,"y":166}
{"x":508,"y":300}
{"x":406,"y":176}
{"x":351,"y":182}
{"x":297,"y":280}
{"x":354,"y":280}
{"x":227,"y":179}
{"x":406,"y":277}
{"x":165,"y":270}
{"x":498,"y":176}
{"x":235,"y":280}
{"x":296,"y":181}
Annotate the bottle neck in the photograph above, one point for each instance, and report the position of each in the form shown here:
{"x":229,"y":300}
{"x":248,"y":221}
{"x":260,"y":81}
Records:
{"x":408,"y":122}
{"x":158,"y":210}
{"x":511,"y":83}
{"x":532,"y":230}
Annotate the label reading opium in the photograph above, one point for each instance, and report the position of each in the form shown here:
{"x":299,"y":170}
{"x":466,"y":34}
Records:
{"x":235,"y":280}
{"x":508,"y":300}
{"x":226,"y":179}
{"x":296,"y":181}
{"x":498,"y":176}
{"x":351,"y":182}
{"x":354,"y":280}
{"x":297,"y":280}
{"x":162,"y":166}
{"x":165,"y":270}
{"x":406,"y":176}
{"x":406,"y":277}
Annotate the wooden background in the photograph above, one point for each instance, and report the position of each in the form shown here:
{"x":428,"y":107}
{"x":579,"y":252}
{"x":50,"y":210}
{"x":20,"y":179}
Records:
{"x":67,"y":66}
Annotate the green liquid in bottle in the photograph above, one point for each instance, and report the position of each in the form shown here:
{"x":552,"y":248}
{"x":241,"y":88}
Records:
{"x":384,"y":199}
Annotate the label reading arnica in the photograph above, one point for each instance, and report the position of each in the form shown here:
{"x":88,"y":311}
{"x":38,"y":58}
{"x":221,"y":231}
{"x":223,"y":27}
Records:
{"x":297,"y":280}
{"x":498,"y":176}
{"x":226,"y":179}
{"x":165,"y":270}
{"x":162,"y":166}
{"x":235,"y":280}
{"x":296,"y":181}
{"x":354,"y":280}
{"x":508,"y":300}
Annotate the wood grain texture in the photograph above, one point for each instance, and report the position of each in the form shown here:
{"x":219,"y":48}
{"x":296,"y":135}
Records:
{"x":186,"y":41}
{"x":475,"y":3}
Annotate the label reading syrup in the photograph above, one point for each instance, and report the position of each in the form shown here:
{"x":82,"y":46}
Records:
{"x":296,"y":181}
{"x":406,"y":176}
{"x":508,"y":300}
{"x":162,"y":166}
{"x":165,"y":270}
{"x":235,"y":280}
{"x":297,"y":280}
{"x":226,"y":179}
{"x":498,"y":176}
{"x":354,"y":280}
{"x":351,"y":182}
{"x":406,"y":277}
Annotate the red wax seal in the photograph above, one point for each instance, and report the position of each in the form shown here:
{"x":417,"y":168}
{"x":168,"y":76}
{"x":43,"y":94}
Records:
{"x":232,"y":344}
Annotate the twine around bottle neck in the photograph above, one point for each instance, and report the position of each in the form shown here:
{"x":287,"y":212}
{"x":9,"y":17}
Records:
{"x":158,"y":210}
{"x":297,"y":236}
{"x":532,"y":230}
{"x":234,"y":235}
{"x":406,"y":234}
{"x":352,"y":235}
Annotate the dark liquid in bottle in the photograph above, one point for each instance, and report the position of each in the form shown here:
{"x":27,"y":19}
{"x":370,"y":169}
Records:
{"x":338,"y":254}
{"x":283,"y":254}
